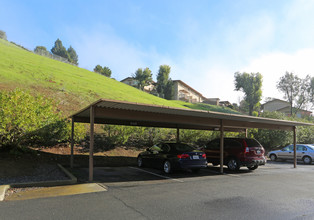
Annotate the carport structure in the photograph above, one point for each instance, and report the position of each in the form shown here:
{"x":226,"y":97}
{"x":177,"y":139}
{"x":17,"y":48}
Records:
{"x":115,"y":112}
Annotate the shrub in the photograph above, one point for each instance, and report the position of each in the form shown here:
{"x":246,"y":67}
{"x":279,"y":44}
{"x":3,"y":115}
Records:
{"x":271,"y":139}
{"x":27,"y":119}
{"x":3,"y":35}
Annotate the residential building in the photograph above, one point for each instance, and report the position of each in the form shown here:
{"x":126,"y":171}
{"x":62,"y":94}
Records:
{"x":284,"y":107}
{"x":186,"y":93}
{"x":212,"y":101}
{"x":132,"y":82}
{"x":225,"y":104}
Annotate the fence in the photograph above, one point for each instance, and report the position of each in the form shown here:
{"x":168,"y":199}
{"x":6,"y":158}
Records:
{"x":52,"y":56}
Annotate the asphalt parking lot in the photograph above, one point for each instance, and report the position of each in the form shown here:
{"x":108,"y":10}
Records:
{"x":274,"y":191}
{"x":114,"y":176}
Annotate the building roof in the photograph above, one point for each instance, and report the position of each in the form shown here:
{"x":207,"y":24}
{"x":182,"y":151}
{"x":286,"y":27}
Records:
{"x":136,"y":114}
{"x":276,"y":100}
{"x":286,"y":107}
{"x":127,"y":78}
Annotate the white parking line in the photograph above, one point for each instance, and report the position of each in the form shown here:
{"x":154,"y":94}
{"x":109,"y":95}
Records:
{"x":166,"y":177}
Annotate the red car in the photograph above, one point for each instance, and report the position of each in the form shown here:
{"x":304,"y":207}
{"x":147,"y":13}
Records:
{"x":238,"y":152}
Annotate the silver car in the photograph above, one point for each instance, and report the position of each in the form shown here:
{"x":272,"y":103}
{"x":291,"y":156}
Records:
{"x":304,"y":152}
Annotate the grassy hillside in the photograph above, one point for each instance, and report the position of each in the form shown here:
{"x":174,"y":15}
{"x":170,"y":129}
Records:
{"x":71,"y":86}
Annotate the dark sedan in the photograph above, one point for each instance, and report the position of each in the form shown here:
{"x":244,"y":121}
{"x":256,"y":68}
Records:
{"x":172,"y":156}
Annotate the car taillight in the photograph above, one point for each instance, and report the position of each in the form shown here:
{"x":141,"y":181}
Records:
{"x":247,"y":150}
{"x":183,"y":156}
{"x":204,"y":155}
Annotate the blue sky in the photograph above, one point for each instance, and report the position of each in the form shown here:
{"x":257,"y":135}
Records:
{"x":204,"y":42}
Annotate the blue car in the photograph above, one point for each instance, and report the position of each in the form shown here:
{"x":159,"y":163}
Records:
{"x":171,"y":156}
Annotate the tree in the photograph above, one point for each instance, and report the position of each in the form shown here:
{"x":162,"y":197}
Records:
{"x":169,"y":90}
{"x":98,"y":69}
{"x":73,"y":56}
{"x":143,"y":78}
{"x":106,"y":71}
{"x":162,"y":79}
{"x":296,"y":90}
{"x":3,"y":35}
{"x":311,"y":91}
{"x":60,"y":50}
{"x":103,"y":71}
{"x":40,"y":49}
{"x":271,"y":139}
{"x":251,"y":85}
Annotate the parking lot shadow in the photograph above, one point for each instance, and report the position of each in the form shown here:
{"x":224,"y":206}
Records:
{"x":135,"y":174}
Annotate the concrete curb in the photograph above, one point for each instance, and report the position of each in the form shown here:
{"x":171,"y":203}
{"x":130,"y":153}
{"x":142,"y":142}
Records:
{"x":72,"y":180}
{"x":3,"y":189}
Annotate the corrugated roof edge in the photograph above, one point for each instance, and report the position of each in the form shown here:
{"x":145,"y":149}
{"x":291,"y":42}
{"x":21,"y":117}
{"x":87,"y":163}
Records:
{"x":234,"y":116}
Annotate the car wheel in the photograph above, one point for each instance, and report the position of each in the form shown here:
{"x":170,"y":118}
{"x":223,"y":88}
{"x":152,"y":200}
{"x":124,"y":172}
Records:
{"x":253,"y":167}
{"x":307,"y":160}
{"x":140,"y":162}
{"x":273,"y":157}
{"x":167,"y":167}
{"x":233,"y":164}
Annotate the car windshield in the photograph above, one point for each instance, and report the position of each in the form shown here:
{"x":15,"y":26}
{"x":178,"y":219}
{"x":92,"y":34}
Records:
{"x":311,"y":147}
{"x":181,"y":147}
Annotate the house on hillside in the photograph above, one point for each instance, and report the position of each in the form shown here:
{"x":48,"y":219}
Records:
{"x":212,"y":101}
{"x":132,"y":82}
{"x":284,"y":107}
{"x":225,"y":104}
{"x":184,"y":92}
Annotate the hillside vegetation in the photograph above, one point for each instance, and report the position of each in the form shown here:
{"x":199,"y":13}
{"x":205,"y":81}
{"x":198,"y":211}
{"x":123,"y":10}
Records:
{"x":70,"y":86}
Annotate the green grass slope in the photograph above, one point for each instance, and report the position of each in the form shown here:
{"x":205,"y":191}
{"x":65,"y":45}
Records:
{"x":72,"y":87}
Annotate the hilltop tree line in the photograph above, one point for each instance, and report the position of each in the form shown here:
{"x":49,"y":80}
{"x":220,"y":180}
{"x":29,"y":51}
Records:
{"x":3,"y":35}
{"x":164,"y":85}
{"x":58,"y":49}
{"x":299,"y":92}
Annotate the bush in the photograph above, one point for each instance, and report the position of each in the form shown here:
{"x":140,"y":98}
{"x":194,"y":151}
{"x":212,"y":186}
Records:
{"x":27,"y":119}
{"x":3,"y":35}
{"x":271,"y":139}
{"x":115,"y":135}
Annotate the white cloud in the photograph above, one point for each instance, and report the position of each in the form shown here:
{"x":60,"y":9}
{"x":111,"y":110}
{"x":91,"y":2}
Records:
{"x":100,"y":45}
{"x":274,"y":65}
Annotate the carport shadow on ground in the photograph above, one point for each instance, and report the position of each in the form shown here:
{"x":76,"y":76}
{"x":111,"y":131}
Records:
{"x":135,"y":174}
{"x":114,"y":169}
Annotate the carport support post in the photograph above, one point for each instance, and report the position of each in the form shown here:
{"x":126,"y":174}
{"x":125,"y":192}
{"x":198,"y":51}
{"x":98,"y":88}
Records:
{"x":221,"y":147}
{"x":72,"y":143}
{"x":91,"y":144}
{"x":178,"y":135}
{"x":295,"y":147}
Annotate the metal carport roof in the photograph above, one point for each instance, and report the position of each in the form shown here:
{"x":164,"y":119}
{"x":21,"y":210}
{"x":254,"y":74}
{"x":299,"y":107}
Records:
{"x":105,"y":111}
{"x":136,"y":114}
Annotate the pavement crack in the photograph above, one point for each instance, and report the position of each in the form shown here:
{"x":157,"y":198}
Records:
{"x":130,"y":207}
